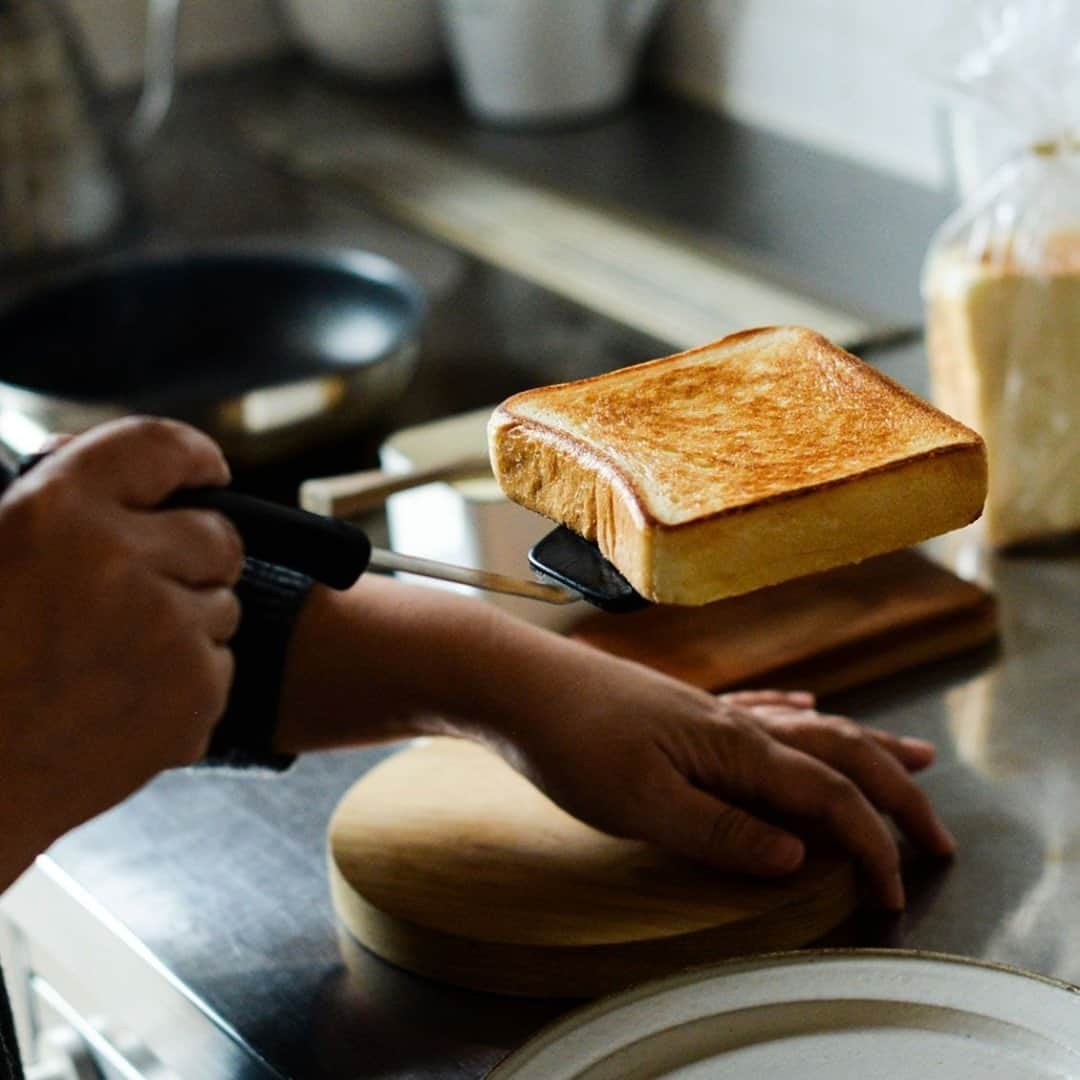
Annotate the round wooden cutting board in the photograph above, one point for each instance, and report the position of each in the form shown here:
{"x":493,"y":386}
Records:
{"x":446,"y":862}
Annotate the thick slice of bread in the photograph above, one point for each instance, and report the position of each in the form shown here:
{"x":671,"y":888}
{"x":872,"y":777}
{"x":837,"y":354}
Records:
{"x":762,"y":457}
{"x":1004,"y":339}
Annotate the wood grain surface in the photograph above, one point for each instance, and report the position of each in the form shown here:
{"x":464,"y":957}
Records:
{"x":446,"y":862}
{"x":824,"y":633}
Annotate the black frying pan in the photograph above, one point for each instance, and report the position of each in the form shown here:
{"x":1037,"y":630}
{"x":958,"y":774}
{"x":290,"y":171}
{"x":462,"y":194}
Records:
{"x":216,"y":336}
{"x":265,"y":348}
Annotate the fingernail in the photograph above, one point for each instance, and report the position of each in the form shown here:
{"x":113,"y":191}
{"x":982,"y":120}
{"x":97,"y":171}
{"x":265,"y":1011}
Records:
{"x":802,"y":697}
{"x":782,"y":853}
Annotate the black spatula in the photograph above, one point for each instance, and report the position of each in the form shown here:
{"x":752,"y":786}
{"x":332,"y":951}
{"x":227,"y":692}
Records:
{"x":577,"y":563}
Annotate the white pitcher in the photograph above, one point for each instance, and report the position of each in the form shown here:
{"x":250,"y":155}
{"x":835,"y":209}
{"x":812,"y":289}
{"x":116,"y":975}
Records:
{"x":546,"y":61}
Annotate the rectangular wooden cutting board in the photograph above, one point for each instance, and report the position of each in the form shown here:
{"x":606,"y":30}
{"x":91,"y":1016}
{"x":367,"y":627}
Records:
{"x":823,"y":633}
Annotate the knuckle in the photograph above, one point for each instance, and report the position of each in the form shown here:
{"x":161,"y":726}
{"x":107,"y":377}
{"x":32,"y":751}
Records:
{"x":850,"y":740}
{"x":232,"y":612}
{"x":652,"y":788}
{"x":155,"y":429}
{"x":731,"y":760}
{"x":146,"y":457}
{"x":124,"y":446}
{"x":230,"y":546}
{"x":727,"y":830}
{"x":236,"y":609}
{"x":841,"y":726}
{"x":163,"y":436}
{"x":136,"y":434}
{"x":213,"y":543}
{"x":842,"y":792}
{"x":746,"y":729}
{"x":216,"y":540}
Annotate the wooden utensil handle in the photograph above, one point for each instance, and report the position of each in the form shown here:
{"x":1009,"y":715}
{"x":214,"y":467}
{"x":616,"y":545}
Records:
{"x":356,"y":493}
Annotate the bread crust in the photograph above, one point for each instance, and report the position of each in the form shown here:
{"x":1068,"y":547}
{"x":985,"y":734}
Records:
{"x":550,"y":469}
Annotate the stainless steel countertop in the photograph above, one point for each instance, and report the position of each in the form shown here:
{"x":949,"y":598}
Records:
{"x":205,"y":894}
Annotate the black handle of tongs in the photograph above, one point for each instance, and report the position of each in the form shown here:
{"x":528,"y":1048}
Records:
{"x":330,"y":551}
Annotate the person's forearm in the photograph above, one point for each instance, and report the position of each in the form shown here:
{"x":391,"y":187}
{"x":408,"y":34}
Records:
{"x":625,"y":749}
{"x":387,"y":660}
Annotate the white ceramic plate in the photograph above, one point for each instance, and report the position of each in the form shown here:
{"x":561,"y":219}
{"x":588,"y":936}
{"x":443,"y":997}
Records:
{"x":841,"y":1015}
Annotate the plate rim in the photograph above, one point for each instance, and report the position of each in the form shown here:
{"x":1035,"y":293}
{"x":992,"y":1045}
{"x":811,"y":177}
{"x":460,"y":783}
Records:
{"x":576,"y":1018}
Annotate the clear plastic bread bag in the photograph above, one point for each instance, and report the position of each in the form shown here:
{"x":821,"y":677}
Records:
{"x":1002,"y":278}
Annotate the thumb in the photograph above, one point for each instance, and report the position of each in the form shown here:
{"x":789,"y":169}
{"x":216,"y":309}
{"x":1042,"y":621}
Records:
{"x":712,"y":831}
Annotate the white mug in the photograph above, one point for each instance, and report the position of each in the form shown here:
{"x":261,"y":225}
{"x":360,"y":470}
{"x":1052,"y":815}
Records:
{"x":544,"y":61}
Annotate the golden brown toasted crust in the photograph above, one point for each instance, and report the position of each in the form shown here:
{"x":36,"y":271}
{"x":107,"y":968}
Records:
{"x":667,"y":464}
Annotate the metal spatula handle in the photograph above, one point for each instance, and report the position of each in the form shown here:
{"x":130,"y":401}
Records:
{"x":478,"y":579}
{"x":336,"y":553}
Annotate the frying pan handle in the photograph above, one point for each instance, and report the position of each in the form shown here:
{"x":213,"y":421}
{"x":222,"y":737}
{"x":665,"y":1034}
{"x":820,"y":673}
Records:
{"x":329,"y":551}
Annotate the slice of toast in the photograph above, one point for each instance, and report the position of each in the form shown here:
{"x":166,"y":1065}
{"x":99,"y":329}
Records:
{"x":761,"y":457}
